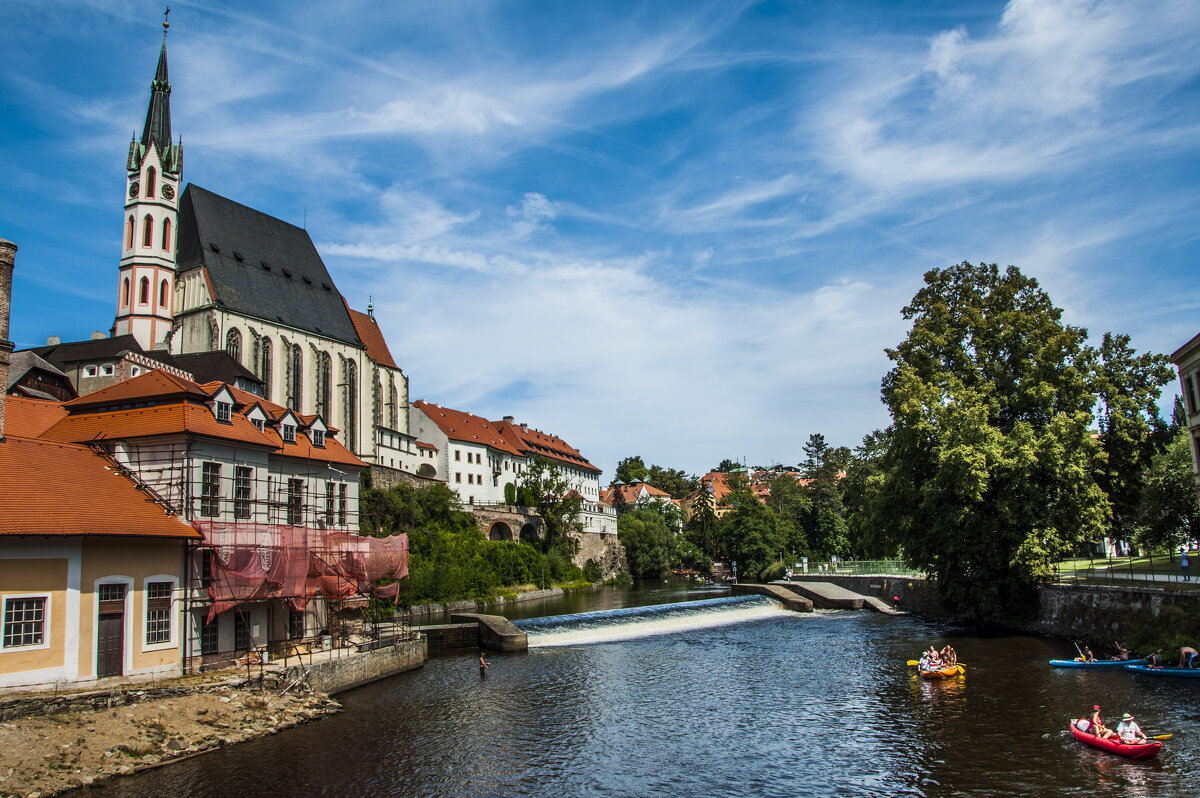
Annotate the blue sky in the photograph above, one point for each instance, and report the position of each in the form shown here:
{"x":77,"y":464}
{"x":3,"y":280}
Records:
{"x":673,"y":229}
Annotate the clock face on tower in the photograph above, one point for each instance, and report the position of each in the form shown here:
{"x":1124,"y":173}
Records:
{"x":134,"y":188}
{"x":168,"y":192}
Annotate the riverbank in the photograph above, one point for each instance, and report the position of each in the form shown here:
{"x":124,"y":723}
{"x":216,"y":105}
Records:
{"x":47,"y":754}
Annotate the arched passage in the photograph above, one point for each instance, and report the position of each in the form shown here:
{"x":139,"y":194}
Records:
{"x":426,"y":470}
{"x":530,"y":533}
{"x":500,"y":531}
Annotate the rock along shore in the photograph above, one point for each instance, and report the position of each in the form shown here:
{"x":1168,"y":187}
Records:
{"x":46,"y":754}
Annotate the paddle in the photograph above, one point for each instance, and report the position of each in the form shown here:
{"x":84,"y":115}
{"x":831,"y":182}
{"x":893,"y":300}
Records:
{"x":1162,"y":736}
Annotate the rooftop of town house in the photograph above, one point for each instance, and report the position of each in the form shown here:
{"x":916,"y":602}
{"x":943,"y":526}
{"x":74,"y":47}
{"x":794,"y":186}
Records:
{"x":534,"y":442}
{"x":467,"y":428}
{"x":31,"y":417}
{"x":372,"y":338}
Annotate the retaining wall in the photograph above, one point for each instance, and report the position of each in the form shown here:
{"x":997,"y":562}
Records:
{"x":355,"y":670}
{"x":496,"y":633}
{"x":451,"y":635}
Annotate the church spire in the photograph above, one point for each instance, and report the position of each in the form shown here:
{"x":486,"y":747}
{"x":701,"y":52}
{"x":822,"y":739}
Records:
{"x":158,"y":115}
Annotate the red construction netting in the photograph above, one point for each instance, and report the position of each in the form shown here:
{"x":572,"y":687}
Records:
{"x":254,"y":562}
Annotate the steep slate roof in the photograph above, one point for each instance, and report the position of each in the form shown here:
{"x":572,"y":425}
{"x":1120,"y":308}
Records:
{"x":531,"y":442}
{"x":158,"y":114}
{"x":460,"y":426}
{"x":26,"y":361}
{"x":31,"y":417}
{"x":215,"y":366}
{"x":64,"y":354}
{"x":372,"y":338}
{"x":40,"y":494}
{"x":293,"y":288}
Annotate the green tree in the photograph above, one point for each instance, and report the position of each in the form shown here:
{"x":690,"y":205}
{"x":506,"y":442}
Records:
{"x":558,"y":506}
{"x":750,"y":532}
{"x":618,"y":501}
{"x":649,"y":544}
{"x":990,"y":474}
{"x":794,"y":507}
{"x":672,"y":480}
{"x":727,"y":465}
{"x":630,"y":469}
{"x":863,"y":477}
{"x":701,"y":528}
{"x":1169,"y":513}
{"x":1128,"y":386}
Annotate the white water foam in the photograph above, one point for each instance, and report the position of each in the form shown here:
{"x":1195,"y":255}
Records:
{"x":649,"y":627}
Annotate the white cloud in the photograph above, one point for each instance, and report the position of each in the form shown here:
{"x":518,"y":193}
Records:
{"x":534,"y":214}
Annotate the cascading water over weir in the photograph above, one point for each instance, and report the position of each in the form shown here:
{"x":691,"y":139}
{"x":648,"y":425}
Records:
{"x":606,"y":626}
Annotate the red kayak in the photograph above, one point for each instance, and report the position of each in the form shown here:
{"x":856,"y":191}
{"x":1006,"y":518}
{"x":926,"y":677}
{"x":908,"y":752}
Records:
{"x":1147,"y":750}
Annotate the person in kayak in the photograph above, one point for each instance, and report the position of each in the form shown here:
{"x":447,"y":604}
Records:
{"x":1129,"y":732}
{"x":1122,"y":652}
{"x":1098,"y":728}
{"x":1155,"y":659}
{"x":1085,"y":655}
{"x":949,"y":655}
{"x":1187,"y":657}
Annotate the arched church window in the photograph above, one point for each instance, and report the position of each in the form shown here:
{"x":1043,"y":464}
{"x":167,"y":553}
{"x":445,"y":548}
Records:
{"x":376,"y":398}
{"x":147,"y":230}
{"x":129,"y":232}
{"x":162,"y":294}
{"x":125,"y":293}
{"x":324,"y":367}
{"x":166,"y":237}
{"x":296,"y":389}
{"x":350,"y":415}
{"x":233,"y":344}
{"x":144,"y":291}
{"x":150,"y":175}
{"x":393,"y":401}
{"x":265,"y":364}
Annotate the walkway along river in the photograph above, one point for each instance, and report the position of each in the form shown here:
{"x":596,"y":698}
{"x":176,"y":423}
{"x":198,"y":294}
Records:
{"x":729,"y":697}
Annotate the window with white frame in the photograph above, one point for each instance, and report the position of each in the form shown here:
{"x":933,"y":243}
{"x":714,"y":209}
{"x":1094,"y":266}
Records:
{"x":342,"y":503}
{"x":24,"y":621}
{"x":318,"y":437}
{"x":260,"y":424}
{"x":158,"y":612}
{"x":295,"y":501}
{"x":210,"y":489}
{"x":107,"y":370}
{"x":329,"y":502}
{"x":289,"y":433}
{"x":224,"y":412}
{"x":241,"y":491}
{"x":89,"y":371}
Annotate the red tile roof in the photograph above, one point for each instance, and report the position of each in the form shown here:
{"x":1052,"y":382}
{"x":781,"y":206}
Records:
{"x":31,"y":417}
{"x":60,"y":489}
{"x":372,"y":337}
{"x":464,"y":427}
{"x":630,"y":493}
{"x":531,"y":442}
{"x":167,"y":419}
{"x":155,"y":384}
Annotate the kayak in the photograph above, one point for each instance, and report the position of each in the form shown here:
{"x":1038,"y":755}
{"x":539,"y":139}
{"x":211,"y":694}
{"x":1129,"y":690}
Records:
{"x":939,"y":673}
{"x":1096,"y":663}
{"x":1189,"y":673}
{"x":1114,"y":746}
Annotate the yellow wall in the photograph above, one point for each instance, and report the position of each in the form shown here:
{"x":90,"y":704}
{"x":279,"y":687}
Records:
{"x":127,"y":557}
{"x":37,"y":575}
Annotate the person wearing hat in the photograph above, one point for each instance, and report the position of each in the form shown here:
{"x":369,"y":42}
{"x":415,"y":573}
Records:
{"x":1129,"y":731}
{"x":1098,"y":728}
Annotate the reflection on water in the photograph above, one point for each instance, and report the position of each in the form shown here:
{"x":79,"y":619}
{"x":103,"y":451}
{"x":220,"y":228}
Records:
{"x":791,"y":704}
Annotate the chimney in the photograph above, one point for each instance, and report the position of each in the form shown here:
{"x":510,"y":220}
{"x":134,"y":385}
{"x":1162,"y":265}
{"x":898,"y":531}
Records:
{"x":99,"y":336}
{"x":53,"y":340}
{"x":8,"y":257}
{"x":509,"y":419}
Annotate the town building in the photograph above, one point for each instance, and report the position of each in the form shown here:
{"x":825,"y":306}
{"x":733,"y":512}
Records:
{"x":201,"y":273}
{"x":1187,"y":360}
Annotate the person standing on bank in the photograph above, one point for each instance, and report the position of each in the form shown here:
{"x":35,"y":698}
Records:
{"x":483,"y":666}
{"x":1184,"y":563}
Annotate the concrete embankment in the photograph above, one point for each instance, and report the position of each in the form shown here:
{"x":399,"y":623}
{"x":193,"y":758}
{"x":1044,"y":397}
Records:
{"x":790,"y":599}
{"x":1092,"y":612}
{"x":335,"y":675}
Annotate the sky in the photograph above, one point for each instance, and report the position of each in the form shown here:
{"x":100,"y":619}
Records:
{"x":678,"y":230}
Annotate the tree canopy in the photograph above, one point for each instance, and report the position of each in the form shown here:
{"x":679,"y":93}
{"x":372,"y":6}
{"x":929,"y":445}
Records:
{"x":991,"y":472}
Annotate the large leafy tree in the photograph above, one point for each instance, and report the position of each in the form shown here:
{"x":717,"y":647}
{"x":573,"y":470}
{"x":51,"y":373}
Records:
{"x":727,"y":465}
{"x":793,"y":505}
{"x":823,"y":466}
{"x":630,"y":469}
{"x":672,"y":480}
{"x":990,"y":475}
{"x":750,"y":531}
{"x":549,"y":491}
{"x":649,"y":544}
{"x":1132,"y":433}
{"x":864,"y":474}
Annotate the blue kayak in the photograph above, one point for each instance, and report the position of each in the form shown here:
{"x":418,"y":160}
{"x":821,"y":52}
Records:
{"x":1096,"y":663}
{"x":1189,"y":673}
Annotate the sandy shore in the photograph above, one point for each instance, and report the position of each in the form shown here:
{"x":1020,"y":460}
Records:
{"x":45,"y":755}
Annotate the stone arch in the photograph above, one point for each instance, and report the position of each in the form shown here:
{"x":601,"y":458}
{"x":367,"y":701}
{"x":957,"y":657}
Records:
{"x":530,"y":532}
{"x":426,"y":470}
{"x":500,"y":531}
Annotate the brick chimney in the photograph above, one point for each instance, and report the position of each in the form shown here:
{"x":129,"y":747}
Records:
{"x":8,"y":256}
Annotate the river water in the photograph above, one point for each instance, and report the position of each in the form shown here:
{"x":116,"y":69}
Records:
{"x":729,"y":696}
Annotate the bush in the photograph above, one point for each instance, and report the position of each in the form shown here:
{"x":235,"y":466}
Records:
{"x":591,"y":571}
{"x":772,"y":572}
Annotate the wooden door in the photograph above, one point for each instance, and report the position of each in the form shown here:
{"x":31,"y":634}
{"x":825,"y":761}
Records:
{"x":111,"y":653}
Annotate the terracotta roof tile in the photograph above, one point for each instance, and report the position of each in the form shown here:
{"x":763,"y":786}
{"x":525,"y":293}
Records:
{"x":464,"y":427}
{"x":531,"y":442}
{"x":31,"y":417}
{"x":157,"y":384}
{"x":49,"y":488}
{"x":168,"y":419}
{"x":372,"y":338}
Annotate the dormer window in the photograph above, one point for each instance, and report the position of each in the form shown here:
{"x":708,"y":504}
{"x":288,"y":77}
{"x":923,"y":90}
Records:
{"x":318,"y":437}
{"x":289,"y":433}
{"x":258,"y":422}
{"x":224,"y":412}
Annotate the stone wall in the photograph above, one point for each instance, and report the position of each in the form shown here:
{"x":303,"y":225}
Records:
{"x":1103,"y":613}
{"x":386,"y":478}
{"x":602,"y":547}
{"x":95,"y":700}
{"x":355,"y":670}
{"x":917,"y":595}
{"x":444,"y":636}
{"x":496,"y":633}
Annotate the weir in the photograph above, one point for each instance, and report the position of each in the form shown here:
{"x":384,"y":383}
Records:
{"x":628,"y":623}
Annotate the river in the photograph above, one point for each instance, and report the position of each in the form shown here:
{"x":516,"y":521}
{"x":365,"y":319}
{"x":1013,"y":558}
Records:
{"x":729,"y":697}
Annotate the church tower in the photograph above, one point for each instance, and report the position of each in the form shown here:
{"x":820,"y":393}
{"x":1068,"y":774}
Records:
{"x":145,"y":291}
